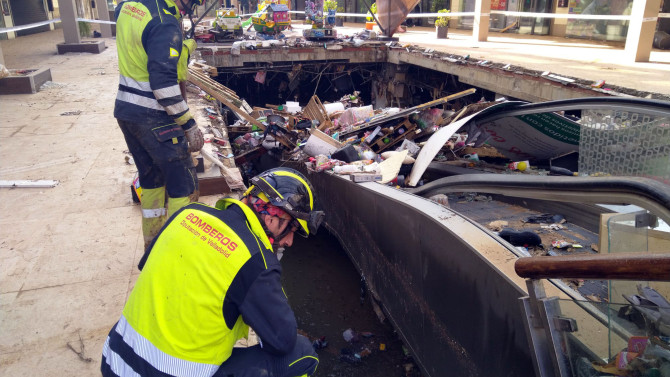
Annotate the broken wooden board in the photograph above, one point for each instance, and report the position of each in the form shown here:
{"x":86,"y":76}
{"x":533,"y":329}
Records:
{"x":316,"y":110}
{"x":22,"y":183}
{"x":205,"y":68}
{"x":223,"y":94}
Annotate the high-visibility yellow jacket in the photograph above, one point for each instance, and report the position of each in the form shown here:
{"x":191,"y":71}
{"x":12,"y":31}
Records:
{"x":209,"y":275}
{"x":149,"y":44}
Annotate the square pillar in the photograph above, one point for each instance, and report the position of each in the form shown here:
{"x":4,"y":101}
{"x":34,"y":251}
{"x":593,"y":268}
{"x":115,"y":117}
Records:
{"x":480,"y":27}
{"x":2,"y":57}
{"x":103,"y":15}
{"x":68,"y":16}
{"x":641,"y":30}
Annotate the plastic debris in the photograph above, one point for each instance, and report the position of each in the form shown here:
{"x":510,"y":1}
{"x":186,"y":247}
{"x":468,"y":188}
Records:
{"x":320,"y":343}
{"x":520,"y":238}
{"x":349,"y":335}
{"x":560,"y":244}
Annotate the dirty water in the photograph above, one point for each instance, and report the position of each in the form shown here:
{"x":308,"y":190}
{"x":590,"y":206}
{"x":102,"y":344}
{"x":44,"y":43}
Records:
{"x":324,"y":290}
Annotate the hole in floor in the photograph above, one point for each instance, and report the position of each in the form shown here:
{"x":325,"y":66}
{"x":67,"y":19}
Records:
{"x":324,"y":290}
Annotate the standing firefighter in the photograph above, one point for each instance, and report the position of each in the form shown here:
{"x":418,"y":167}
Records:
{"x":208,"y":276}
{"x":153,"y":115}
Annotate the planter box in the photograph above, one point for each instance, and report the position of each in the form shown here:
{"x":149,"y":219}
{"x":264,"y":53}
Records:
{"x":441,"y":32}
{"x":24,"y":83}
{"x":86,"y":46}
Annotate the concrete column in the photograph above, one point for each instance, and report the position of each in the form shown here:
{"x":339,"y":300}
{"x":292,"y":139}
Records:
{"x":641,"y":30}
{"x":9,"y":23}
{"x":103,"y":15}
{"x":2,"y":57}
{"x":68,"y":16}
{"x":559,"y":25}
{"x":480,"y":28}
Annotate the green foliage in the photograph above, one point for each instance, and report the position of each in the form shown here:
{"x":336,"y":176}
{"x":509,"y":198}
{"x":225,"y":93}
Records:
{"x":373,"y":7}
{"x":84,"y":29}
{"x":442,"y":21}
{"x":330,"y":4}
{"x":340,"y":9}
{"x":435,"y":5}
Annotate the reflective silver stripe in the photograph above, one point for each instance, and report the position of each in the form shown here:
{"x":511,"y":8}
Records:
{"x":116,"y":363}
{"x":177,"y":108}
{"x":159,"y":359}
{"x":168,"y":92}
{"x":139,"y":100}
{"x":141,"y":85}
{"x":152,"y":213}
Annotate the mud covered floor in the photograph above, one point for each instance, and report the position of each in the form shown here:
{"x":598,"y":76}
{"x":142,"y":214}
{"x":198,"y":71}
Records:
{"x":324,"y":290}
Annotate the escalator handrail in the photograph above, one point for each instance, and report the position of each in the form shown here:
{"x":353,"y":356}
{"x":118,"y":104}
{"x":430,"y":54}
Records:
{"x":647,"y":193}
{"x":616,"y":266}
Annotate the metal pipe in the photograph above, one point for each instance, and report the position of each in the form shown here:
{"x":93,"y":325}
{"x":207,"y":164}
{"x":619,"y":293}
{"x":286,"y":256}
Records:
{"x":618,"y":266}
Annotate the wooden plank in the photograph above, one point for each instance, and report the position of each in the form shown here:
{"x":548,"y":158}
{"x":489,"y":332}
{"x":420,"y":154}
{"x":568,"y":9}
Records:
{"x":22,"y":183}
{"x":213,"y":83}
{"x":213,"y":186}
{"x":406,"y":112}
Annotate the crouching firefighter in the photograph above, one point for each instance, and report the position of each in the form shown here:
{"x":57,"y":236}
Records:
{"x":151,"y":109}
{"x":209,"y":275}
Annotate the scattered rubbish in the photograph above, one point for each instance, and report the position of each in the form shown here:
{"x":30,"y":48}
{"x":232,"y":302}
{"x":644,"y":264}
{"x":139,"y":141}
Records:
{"x":408,"y":159}
{"x":390,"y":167}
{"x":559,"y":244}
{"x":497,"y":225}
{"x":553,"y":227}
{"x":365,"y":177}
{"x":545,"y":218}
{"x":598,"y":84}
{"x":557,"y":78}
{"x":70,"y":113}
{"x":561,"y":171}
{"x":520,"y":238}
{"x":4,"y":72}
{"x":350,"y":336}
{"x":441,"y":199}
{"x":82,"y":350}
{"x":520,"y":165}
{"x":320,"y":343}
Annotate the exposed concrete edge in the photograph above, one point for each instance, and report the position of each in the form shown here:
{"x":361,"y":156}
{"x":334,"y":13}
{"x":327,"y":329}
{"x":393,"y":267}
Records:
{"x":508,"y":83}
{"x":221,"y":57}
{"x":507,"y":80}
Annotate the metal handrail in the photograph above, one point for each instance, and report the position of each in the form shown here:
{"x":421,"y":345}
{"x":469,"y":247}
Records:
{"x":618,"y":266}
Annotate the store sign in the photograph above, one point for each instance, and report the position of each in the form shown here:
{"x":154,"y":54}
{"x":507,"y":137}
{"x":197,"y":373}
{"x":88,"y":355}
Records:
{"x":498,"y":4}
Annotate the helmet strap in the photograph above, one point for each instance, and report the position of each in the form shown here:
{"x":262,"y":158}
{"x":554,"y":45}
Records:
{"x":273,"y":240}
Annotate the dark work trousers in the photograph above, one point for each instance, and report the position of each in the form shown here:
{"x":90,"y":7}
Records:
{"x":161,"y":156}
{"x":254,"y":362}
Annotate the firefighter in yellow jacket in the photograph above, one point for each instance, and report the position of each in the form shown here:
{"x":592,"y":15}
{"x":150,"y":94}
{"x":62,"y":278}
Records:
{"x":151,"y":111}
{"x":209,"y":275}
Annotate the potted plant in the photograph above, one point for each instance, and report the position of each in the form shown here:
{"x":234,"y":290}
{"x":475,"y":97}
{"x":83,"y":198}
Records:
{"x":442,"y":24}
{"x":339,"y":21}
{"x":370,"y":20}
{"x":84,"y":29}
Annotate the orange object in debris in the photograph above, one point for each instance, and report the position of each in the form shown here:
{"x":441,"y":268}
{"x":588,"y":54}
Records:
{"x":382,"y":346}
{"x":369,"y":25}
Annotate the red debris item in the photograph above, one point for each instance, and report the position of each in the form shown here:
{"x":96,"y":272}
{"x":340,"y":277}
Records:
{"x":219,"y":141}
{"x":207,"y":37}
